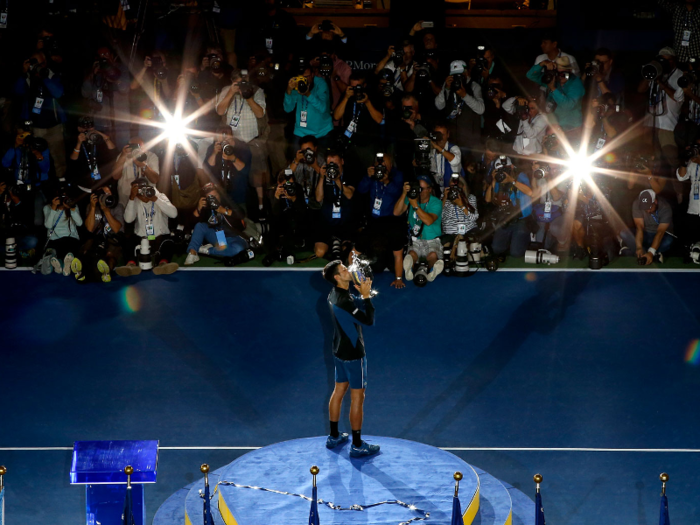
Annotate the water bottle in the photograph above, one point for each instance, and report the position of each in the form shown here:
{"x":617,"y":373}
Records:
{"x":10,"y":253}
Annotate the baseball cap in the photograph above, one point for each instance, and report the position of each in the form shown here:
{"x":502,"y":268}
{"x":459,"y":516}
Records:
{"x":667,"y":51}
{"x":646,"y":199}
{"x":457,"y":67}
{"x":425,"y":178}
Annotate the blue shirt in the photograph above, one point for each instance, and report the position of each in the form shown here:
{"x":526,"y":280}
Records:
{"x":518,"y":198}
{"x":317,"y":107}
{"x":51,"y":89}
{"x":567,"y":97}
{"x":38,"y":169}
{"x":388,"y":193}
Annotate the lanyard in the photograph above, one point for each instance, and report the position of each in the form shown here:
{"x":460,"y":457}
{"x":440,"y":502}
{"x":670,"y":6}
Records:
{"x":237,"y":111}
{"x":355,"y":112}
{"x":136,"y":170}
{"x":379,"y":186}
{"x":91,"y":159}
{"x":53,"y":228}
{"x":152,"y":214}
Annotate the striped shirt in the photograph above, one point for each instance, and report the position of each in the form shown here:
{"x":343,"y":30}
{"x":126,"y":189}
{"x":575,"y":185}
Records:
{"x":684,"y":20}
{"x":453,"y":217}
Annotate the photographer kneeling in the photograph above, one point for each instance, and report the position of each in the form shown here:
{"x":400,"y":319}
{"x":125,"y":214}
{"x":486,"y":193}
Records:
{"x":424,"y":220}
{"x":511,"y":197}
{"x":151,"y":210}
{"x":653,"y":217}
{"x":289,"y":218}
{"x":548,"y":209}
{"x":62,"y":220}
{"x":218,"y":225}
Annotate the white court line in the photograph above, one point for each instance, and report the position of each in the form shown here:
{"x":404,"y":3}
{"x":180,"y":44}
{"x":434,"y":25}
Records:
{"x":450,"y":449}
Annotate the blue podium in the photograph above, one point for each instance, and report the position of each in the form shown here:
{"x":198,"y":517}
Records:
{"x":99,"y":465}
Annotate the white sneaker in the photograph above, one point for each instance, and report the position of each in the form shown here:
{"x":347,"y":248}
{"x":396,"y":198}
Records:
{"x":438,"y":267}
{"x":204,"y":249}
{"x":191,"y":259}
{"x":66,"y":264}
{"x":408,"y":267}
{"x":56,"y":265}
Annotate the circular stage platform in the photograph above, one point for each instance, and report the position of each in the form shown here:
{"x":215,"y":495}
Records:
{"x":413,"y":473}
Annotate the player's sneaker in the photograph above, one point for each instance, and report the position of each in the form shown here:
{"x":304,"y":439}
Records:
{"x":332,"y":442}
{"x":408,"y":267}
{"x":363,"y":450}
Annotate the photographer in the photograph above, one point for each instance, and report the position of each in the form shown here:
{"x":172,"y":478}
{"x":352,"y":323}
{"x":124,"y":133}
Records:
{"x":93,"y":154}
{"x":62,"y":220}
{"x":604,"y":121}
{"x":653,"y":217}
{"x":329,"y":66}
{"x":243,"y":103}
{"x":326,"y":31}
{"x":401,"y":64}
{"x":445,"y":157}
{"x":666,"y":99}
{"x":532,"y":126}
{"x":564,"y":93}
{"x":360,"y":119}
{"x":29,"y":161}
{"x":228,"y":162}
{"x":685,"y":18}
{"x":334,"y":191}
{"x":132,"y":163}
{"x":511,"y":197}
{"x":551,"y":51}
{"x":424,"y":221}
{"x":17,"y":219}
{"x":607,"y":78}
{"x":218,"y":225}
{"x":306,"y":166}
{"x":38,"y":90}
{"x":106,"y":86}
{"x":104,"y":222}
{"x":459,"y":212}
{"x":310,"y":100}
{"x":151,"y":88}
{"x":214,"y":75}
{"x":150,"y":210}
{"x":384,"y":237}
{"x":289,"y":223}
{"x":548,"y":206}
{"x":463,"y":105}
{"x":498,"y":123}
{"x":691,"y":172}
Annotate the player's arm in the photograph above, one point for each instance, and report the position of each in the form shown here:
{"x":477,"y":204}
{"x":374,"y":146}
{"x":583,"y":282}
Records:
{"x":362,"y":313}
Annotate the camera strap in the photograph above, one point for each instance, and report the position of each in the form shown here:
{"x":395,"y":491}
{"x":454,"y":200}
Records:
{"x":92,"y":162}
{"x":150,"y":228}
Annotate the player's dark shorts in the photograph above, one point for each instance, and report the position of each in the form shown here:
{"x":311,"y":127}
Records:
{"x":354,"y":372}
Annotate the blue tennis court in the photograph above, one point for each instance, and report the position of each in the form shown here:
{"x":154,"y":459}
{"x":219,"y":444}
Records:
{"x":487,"y":367}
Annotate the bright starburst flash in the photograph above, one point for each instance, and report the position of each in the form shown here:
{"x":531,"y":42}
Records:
{"x":579,"y":168}
{"x":175,"y":129}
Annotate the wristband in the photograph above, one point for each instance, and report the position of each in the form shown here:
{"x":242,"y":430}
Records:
{"x":652,"y":250}
{"x":398,"y":278}
{"x":76,"y":150}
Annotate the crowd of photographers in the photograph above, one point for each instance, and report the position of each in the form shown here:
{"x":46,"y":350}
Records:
{"x":435,"y":161}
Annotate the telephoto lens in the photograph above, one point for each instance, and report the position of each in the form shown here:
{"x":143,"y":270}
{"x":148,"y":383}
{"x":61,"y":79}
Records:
{"x":420,"y":276}
{"x":107,"y":201}
{"x":547,"y":75}
{"x":540,"y":257}
{"x":309,"y":156}
{"x":541,"y":172}
{"x":10,"y":253}
{"x":500,"y":176}
{"x":332,"y":170}
{"x":414,"y":191}
{"x":212,"y":203}
{"x":462,"y":261}
{"x":227,"y":149}
{"x":359,"y":91}
{"x":453,"y":193}
{"x":302,"y":86}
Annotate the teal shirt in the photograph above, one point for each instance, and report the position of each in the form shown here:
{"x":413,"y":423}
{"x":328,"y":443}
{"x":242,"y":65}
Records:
{"x":318,"y":110}
{"x":434,"y":230}
{"x":568,"y":98}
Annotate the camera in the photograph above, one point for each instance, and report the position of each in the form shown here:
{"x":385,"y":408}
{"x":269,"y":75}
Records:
{"x":435,"y":136}
{"x":359,"y":91}
{"x":107,"y":201}
{"x":137,"y":153}
{"x":481,"y":63}
{"x":406,"y":112}
{"x":86,"y":122}
{"x":542,"y":171}
{"x":593,"y":69}
{"x":491,"y":92}
{"x":246,"y":89}
{"x":550,"y":142}
{"x":309,"y":156}
{"x":414,"y":190}
{"x":325,"y":65}
{"x":158,"y":68}
{"x":194,"y":86}
{"x":215,"y":62}
{"x":302,"y":84}
{"x":547,"y":75}
{"x":326,"y":25}
{"x":290,"y":187}
{"x":146,"y":191}
{"x":332,"y":170}
{"x":64,"y":199}
{"x":692,"y":151}
{"x":523,"y":111}
{"x":688,"y":78}
{"x":540,"y":257}
{"x":33,"y":62}
{"x":500,"y":175}
{"x":212,"y":202}
{"x":420,"y":275}
{"x":227,"y":149}
{"x":422,"y":153}
{"x":380,"y":170}
{"x":92,"y":137}
{"x":456,"y":82}
{"x":422,"y":71}
{"x":453,"y":193}
{"x":386,"y":89}
{"x":655,"y":68}
{"x":397,"y":55}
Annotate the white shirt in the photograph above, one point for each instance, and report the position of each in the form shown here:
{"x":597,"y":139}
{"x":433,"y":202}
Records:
{"x":475,"y":103}
{"x":247,"y":127}
{"x":693,"y":173}
{"x":437,"y":164}
{"x":667,"y":109}
{"x":398,"y":84}
{"x":155,"y":213}
{"x":531,"y":132}
{"x":129,"y":175}
{"x":574,"y":65}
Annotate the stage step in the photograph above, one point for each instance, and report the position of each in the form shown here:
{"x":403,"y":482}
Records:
{"x":495,"y":505}
{"x":171,"y":512}
{"x":523,"y":507}
{"x":194,"y":504}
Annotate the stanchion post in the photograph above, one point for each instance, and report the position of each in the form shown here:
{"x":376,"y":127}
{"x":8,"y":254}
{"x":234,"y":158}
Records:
{"x":204,"y":469}
{"x":314,"y":471}
{"x":3,"y":471}
{"x":458,"y":477}
{"x":664,"y":478}
{"x":128,"y":470}
{"x":538,"y":479}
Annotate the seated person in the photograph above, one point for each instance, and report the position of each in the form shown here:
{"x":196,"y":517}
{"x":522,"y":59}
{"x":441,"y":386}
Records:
{"x":424,"y":221}
{"x":132,"y":163}
{"x":384,"y":237}
{"x":289,"y":227}
{"x":104,"y":222}
{"x":459,"y":213}
{"x":653,"y":218}
{"x":548,"y":208}
{"x":62,"y":220}
{"x":228,"y":163}
{"x":17,"y":219}
{"x":217,"y":224}
{"x":334,"y":191}
{"x":150,"y":210}
{"x":511,"y":198}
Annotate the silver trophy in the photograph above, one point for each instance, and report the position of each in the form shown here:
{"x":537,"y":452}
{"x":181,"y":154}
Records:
{"x":361,"y":271}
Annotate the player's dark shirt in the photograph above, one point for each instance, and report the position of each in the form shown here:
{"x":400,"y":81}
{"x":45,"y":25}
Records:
{"x":349,"y":313}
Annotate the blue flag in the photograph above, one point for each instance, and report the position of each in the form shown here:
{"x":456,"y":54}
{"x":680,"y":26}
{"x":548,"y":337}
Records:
{"x":539,"y":510}
{"x":208,"y":520}
{"x":128,"y":516}
{"x":456,"y":512}
{"x":663,"y":519}
{"x":313,"y":513}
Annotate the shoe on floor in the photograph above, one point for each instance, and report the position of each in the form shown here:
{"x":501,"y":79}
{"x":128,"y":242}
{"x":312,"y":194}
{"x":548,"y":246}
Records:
{"x":128,"y":270}
{"x":438,"y":267}
{"x":45,"y":264}
{"x":408,"y":267}
{"x":332,"y":442}
{"x":191,"y":259}
{"x":165,"y":268}
{"x":66,"y":264}
{"x":56,"y":265}
{"x":363,"y":450}
{"x":103,"y":268}
{"x":77,"y":268}
{"x":204,"y":249}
